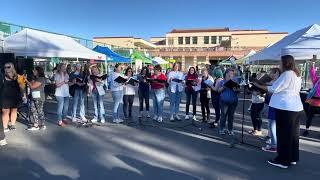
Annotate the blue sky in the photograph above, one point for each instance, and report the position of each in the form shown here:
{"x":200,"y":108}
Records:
{"x":146,"y":18}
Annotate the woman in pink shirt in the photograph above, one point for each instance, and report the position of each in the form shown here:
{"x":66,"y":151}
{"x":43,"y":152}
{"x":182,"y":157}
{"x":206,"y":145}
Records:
{"x":314,"y":102}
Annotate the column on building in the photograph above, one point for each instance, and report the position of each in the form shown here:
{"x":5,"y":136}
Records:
{"x":207,"y":60}
{"x":195,"y":61}
{"x":183,"y":63}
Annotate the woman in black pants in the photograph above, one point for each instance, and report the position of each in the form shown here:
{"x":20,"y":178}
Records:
{"x":286,"y":100}
{"x":128,"y":95}
{"x":191,"y":92}
{"x":205,"y":95}
{"x":2,"y":135}
{"x":144,"y":90}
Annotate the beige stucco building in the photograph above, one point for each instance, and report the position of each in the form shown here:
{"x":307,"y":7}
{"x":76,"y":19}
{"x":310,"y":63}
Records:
{"x":124,"y":42}
{"x":193,"y":47}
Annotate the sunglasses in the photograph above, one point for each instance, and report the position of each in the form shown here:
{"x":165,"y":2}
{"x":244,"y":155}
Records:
{"x":7,"y":67}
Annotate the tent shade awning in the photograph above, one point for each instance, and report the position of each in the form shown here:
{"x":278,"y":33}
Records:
{"x":112,"y":57}
{"x":34,"y":43}
{"x":159,"y":60}
{"x":302,"y":45}
{"x":136,"y":55}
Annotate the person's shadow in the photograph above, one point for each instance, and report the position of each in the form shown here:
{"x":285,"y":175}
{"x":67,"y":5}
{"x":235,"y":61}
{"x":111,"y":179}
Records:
{"x":25,"y":169}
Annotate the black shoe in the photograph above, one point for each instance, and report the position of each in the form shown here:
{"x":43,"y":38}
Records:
{"x":212,"y":125}
{"x":305,"y":133}
{"x":277,"y":164}
{"x":12,"y":127}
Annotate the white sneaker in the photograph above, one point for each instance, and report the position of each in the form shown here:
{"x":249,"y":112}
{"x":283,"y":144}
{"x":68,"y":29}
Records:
{"x":94,"y":120}
{"x":120,"y":121}
{"x":194,"y":118}
{"x":102,"y":121}
{"x":6,"y":130}
{"x":140,"y":114}
{"x":178,"y":118}
{"x":74,"y":120}
{"x":33,"y":128}
{"x":148,"y":115}
{"x":115,"y":120}
{"x":160,"y":119}
{"x":69,"y":117}
{"x":187,"y":117}
{"x":155,"y":118}
{"x":171,"y":118}
{"x":84,"y":119}
{"x":3,"y":142}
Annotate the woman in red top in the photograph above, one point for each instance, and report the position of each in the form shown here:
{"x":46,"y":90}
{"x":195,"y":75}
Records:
{"x":158,"y":91}
{"x":191,"y":91}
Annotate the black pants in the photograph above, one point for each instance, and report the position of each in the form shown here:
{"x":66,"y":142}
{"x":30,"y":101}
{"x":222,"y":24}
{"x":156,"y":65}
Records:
{"x":191,"y":95}
{"x":287,"y":123}
{"x":205,"y":109}
{"x":2,"y":136}
{"x":127,"y":101}
{"x":144,"y":95}
{"x":256,"y":110}
{"x":311,"y":111}
{"x":216,"y":105}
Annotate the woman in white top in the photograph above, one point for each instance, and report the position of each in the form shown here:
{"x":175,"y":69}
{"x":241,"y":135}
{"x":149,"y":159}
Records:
{"x":117,"y":93}
{"x":176,"y":86}
{"x":61,"y":79}
{"x":97,"y":93}
{"x":286,"y":100}
{"x":128,"y":95}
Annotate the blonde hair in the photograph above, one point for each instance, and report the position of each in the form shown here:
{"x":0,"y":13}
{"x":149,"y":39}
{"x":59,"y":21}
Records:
{"x":12,"y":73}
{"x":59,"y":67}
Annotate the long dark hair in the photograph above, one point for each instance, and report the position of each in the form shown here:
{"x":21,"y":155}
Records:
{"x":288,"y":64}
{"x":116,"y":66}
{"x":147,"y":71}
{"x":126,"y":72}
{"x":194,"y":69}
{"x":40,"y":71}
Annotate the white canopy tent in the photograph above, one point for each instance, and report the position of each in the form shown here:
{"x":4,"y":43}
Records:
{"x":245,"y":59}
{"x":302,"y":45}
{"x":159,"y":60}
{"x":34,"y":43}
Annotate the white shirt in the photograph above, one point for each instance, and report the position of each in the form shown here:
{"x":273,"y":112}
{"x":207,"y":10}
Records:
{"x":257,"y":99}
{"x":286,"y":92}
{"x":173,"y":84}
{"x":114,"y":85}
{"x":62,"y":91}
{"x":129,"y":89}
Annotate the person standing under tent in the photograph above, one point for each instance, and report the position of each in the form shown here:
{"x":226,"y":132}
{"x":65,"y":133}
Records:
{"x":144,"y":91}
{"x":272,"y":132}
{"x":314,"y":100}
{"x":78,"y":92}
{"x":97,"y":93}
{"x":287,"y":102}
{"x":38,"y":98}
{"x":228,"y":103}
{"x":158,"y":87}
{"x":128,"y":95}
{"x":117,"y":93}
{"x":215,"y":96}
{"x":191,"y":93}
{"x":205,"y":95}
{"x":10,"y":97}
{"x":175,"y":80}
{"x":3,"y":140}
{"x":61,"y":79}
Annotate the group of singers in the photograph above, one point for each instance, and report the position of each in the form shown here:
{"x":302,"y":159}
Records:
{"x":283,"y":99}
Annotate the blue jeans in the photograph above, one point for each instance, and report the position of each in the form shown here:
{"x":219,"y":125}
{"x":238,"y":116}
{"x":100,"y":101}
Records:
{"x":272,"y":132}
{"x":175,"y":102}
{"x":117,"y":97}
{"x":227,"y":111}
{"x":63,"y":105}
{"x":98,"y":105}
{"x":78,"y":94}
{"x":158,"y":99}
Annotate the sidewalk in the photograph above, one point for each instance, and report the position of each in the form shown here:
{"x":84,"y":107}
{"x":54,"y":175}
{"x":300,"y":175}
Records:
{"x":157,"y":151}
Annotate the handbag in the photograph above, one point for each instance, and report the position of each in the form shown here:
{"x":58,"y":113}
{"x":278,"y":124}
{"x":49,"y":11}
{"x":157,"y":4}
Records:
{"x":313,"y":90}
